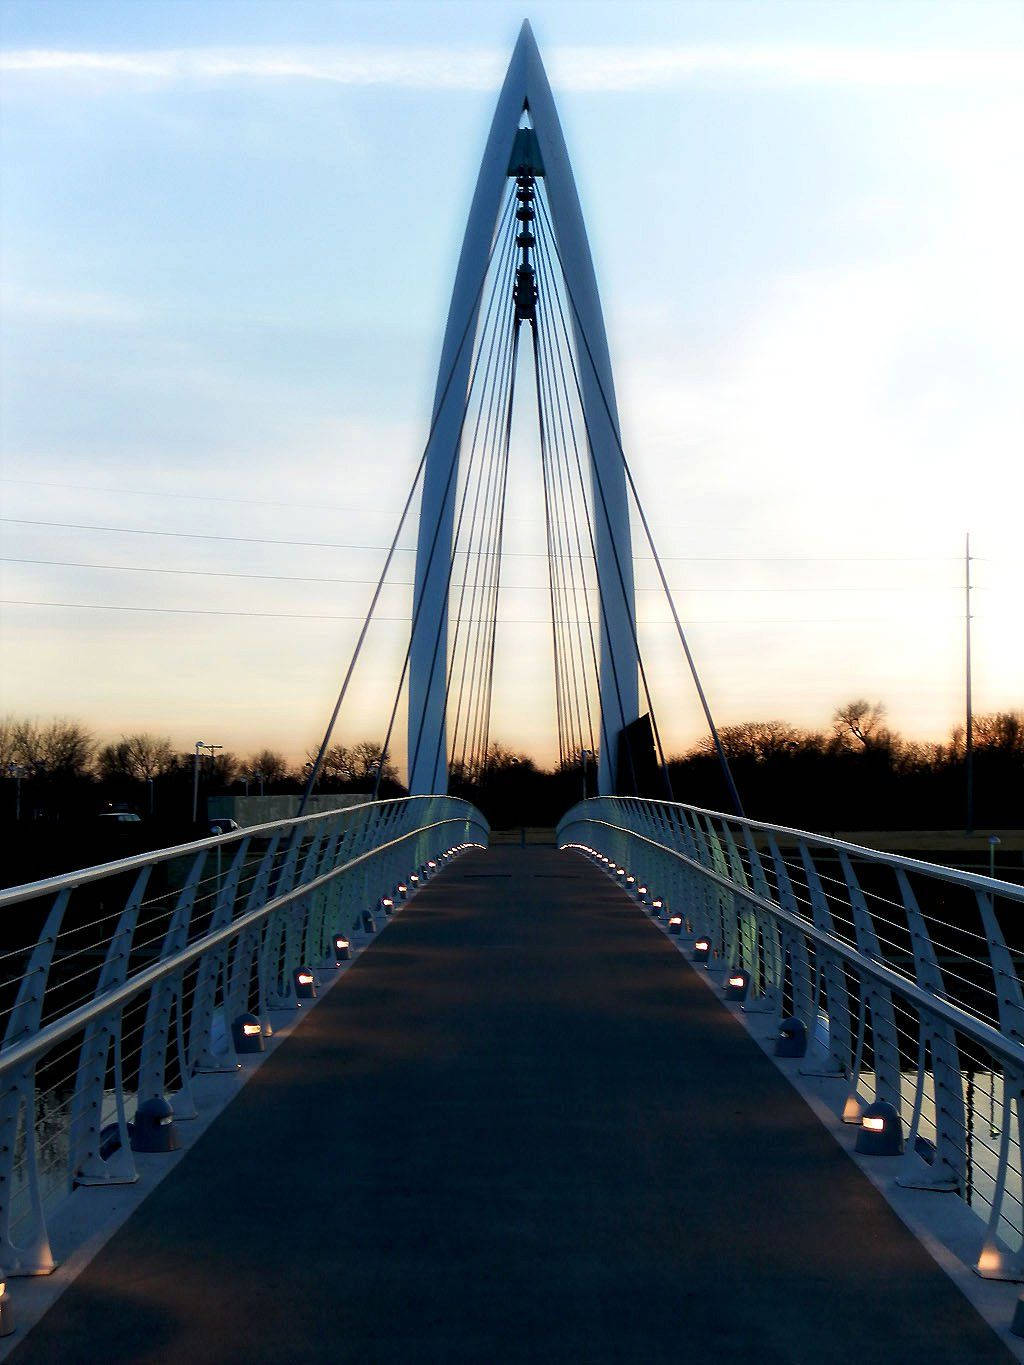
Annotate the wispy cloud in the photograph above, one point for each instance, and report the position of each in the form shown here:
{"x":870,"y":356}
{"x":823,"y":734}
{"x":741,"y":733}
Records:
{"x":581,"y":69}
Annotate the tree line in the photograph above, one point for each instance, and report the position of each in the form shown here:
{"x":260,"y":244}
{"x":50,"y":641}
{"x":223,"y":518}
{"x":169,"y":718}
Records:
{"x":59,"y":770}
{"x":857,"y":774}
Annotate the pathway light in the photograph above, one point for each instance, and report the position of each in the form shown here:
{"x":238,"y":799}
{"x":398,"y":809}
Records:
{"x":881,"y":1132}
{"x":702,"y":949}
{"x":792,"y":1038}
{"x":153,"y":1129}
{"x":342,"y":949}
{"x":247,"y":1034}
{"x":737,"y":985}
{"x":305,"y":984}
{"x":675,"y":924}
{"x":6,"y":1312}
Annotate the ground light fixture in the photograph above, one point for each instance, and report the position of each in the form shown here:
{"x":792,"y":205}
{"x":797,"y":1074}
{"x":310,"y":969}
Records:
{"x":641,"y":891}
{"x":792,"y":1038}
{"x":414,"y":880}
{"x":305,"y":983}
{"x":6,"y":1312}
{"x":432,"y":865}
{"x":881,"y":1132}
{"x":247,"y":1034}
{"x":675,"y":924}
{"x":153,"y":1128}
{"x":631,"y":881}
{"x":737,"y":984}
{"x":620,"y":872}
{"x":657,"y":905}
{"x":702,"y":949}
{"x":387,"y":904}
{"x":403,"y":889}
{"x":342,"y":949}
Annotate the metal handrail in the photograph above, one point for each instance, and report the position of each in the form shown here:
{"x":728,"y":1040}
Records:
{"x":973,"y":880}
{"x":886,"y":1004}
{"x":47,"y":886}
{"x":1008,"y":1049}
{"x":17,"y":1054}
{"x":221,"y":943}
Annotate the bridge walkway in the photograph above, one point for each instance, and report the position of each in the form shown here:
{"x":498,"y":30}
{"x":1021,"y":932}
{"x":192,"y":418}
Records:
{"x":519,"y":1129}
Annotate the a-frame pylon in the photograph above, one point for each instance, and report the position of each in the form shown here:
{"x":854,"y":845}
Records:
{"x":525,"y":88}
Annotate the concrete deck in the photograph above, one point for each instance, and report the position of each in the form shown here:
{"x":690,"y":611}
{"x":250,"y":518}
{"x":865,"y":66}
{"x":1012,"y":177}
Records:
{"x":520,"y":1129}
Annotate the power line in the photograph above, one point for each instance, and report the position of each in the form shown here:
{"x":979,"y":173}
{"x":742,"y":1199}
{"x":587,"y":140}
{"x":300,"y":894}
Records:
{"x":518,"y":554}
{"x":513,"y":620}
{"x":510,"y":587}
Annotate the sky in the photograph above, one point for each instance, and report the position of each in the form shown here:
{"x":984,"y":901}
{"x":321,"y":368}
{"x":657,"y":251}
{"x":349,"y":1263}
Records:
{"x":229,"y":232}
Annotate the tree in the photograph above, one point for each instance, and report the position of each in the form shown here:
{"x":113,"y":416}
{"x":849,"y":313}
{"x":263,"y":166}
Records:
{"x":61,"y":749}
{"x":272,"y":765}
{"x":366,"y":757}
{"x":862,"y":721}
{"x":137,"y":758}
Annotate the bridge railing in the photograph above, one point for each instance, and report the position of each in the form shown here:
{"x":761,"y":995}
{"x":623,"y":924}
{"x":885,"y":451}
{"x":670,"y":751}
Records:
{"x":120,"y":985}
{"x":904,"y":974}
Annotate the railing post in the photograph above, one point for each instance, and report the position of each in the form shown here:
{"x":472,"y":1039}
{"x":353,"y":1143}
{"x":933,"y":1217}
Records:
{"x":769,"y":1001}
{"x":85,"y":1163}
{"x":18,"y":1105}
{"x":794,"y":944}
{"x":835,"y":1060}
{"x":996,"y":1260}
{"x":165,"y":996}
{"x":937,"y":1040}
{"x":876,"y":1001}
{"x":213,"y":968}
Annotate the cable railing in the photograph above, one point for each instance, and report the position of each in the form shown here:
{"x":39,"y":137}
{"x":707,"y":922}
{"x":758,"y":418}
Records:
{"x":122,"y":985}
{"x":899,"y":978}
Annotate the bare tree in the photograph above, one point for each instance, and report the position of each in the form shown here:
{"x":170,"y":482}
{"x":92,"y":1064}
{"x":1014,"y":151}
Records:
{"x":862,"y":721}
{"x":272,"y":765}
{"x":138,"y":758}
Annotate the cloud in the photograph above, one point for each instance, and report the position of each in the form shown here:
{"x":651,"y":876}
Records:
{"x":579,"y":69}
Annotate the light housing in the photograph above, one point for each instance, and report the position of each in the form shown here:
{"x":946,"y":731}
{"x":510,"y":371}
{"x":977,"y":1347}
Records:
{"x":305,"y":983}
{"x":702,"y":949}
{"x":737,"y":984}
{"x":792,"y":1038}
{"x":247,"y":1034}
{"x":881,"y":1131}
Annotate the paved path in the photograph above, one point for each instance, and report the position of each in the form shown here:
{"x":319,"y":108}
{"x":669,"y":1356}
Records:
{"x":520,"y":1129}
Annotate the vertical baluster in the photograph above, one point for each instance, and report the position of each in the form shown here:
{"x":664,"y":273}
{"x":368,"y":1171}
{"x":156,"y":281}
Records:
{"x":18,"y":1106}
{"x":836,"y":1059}
{"x":997,"y":1261}
{"x":769,"y":1000}
{"x":742,"y":912}
{"x":794,"y":944}
{"x":165,"y":997}
{"x":248,"y":946}
{"x":85,"y":1163}
{"x":935,"y":1039}
{"x":207,"y":1052}
{"x":876,"y":1001}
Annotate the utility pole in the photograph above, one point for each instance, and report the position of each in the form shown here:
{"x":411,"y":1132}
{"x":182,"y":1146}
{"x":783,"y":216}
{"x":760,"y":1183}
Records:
{"x":969,"y":731}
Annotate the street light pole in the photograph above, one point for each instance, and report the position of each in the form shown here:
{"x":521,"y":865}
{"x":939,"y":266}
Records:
{"x":969,"y":732}
{"x":195,"y":780}
{"x":200,"y":746}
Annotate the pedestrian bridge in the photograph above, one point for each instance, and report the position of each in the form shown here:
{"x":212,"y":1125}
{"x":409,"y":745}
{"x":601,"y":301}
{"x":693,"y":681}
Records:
{"x":521,"y":1121}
